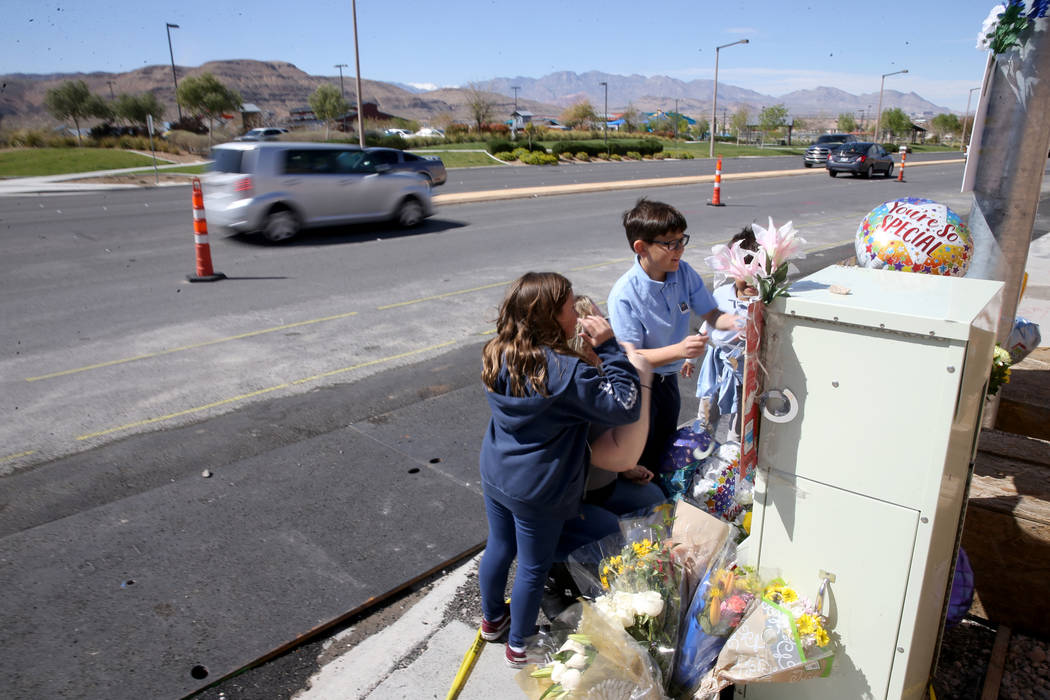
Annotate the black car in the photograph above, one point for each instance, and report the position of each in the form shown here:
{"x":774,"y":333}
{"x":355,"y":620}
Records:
{"x":860,"y":158}
{"x":825,"y":145}
{"x":432,"y":168}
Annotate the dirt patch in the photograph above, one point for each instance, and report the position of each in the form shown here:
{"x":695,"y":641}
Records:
{"x":139,"y":179}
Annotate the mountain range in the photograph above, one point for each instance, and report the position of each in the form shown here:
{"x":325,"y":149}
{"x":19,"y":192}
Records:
{"x":276,"y":87}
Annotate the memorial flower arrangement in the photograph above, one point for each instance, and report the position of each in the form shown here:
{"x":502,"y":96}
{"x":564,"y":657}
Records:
{"x":1000,"y":373}
{"x":589,"y":656}
{"x":784,"y":637}
{"x":1001,"y":30}
{"x":768,"y":268}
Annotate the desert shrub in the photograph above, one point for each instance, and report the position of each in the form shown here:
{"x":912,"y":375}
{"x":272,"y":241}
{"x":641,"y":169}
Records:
{"x":593,"y":148}
{"x":385,"y":140}
{"x":615,"y":156}
{"x":194,"y":125}
{"x":456,"y":129}
{"x":496,"y":145}
{"x":633,"y":155}
{"x":505,"y":155}
{"x":538,"y":158}
{"x":660,"y":156}
{"x":603,"y":156}
{"x":582,"y":155}
{"x":189,"y":142}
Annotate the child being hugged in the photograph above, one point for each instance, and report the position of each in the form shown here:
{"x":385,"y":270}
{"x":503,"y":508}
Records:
{"x":650,"y":307}
{"x":544,"y":397}
{"x":721,"y":373}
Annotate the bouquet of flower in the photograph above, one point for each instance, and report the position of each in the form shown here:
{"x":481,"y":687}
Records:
{"x":724,"y":596}
{"x":783,"y":638}
{"x":587,"y":656}
{"x":1000,"y":373}
{"x":1001,"y":30}
{"x":767,"y":269}
{"x":720,"y":489}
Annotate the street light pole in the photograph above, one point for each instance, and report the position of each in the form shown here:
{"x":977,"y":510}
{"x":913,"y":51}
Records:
{"x":965,"y":115}
{"x":515,"y":88}
{"x":676,"y":119}
{"x":878,"y":115}
{"x":342,"y":91}
{"x":357,"y":66}
{"x":171,"y":53}
{"x":714,"y":98}
{"x":605,"y":116}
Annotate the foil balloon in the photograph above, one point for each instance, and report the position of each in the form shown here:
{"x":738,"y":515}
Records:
{"x":914,"y":235}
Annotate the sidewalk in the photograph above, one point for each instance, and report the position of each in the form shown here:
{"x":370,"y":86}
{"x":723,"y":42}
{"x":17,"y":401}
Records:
{"x":46,"y":184}
{"x":419,"y":654}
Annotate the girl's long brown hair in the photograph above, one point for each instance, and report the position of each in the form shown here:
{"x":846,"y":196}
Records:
{"x":527,"y":322}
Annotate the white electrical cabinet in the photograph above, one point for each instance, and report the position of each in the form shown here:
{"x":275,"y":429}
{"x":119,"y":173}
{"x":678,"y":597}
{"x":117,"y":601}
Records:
{"x":867,"y":481}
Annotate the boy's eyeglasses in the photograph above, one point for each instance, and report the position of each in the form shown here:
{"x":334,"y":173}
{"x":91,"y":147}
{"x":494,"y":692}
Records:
{"x":676,"y":244}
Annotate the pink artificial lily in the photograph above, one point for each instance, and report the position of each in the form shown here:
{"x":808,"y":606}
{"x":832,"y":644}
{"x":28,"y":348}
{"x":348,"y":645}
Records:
{"x":779,"y":244}
{"x":730,"y":262}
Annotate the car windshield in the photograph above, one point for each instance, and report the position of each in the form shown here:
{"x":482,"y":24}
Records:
{"x":831,"y":138}
{"x":226,"y":160}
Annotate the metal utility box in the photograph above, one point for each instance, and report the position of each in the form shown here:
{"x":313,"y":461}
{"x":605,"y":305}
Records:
{"x":868,"y":481}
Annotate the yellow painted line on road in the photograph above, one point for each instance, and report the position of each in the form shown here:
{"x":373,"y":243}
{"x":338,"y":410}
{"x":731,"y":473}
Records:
{"x":442,"y":296}
{"x":585,"y":187}
{"x":252,"y":394}
{"x":194,"y":346}
{"x":16,"y":456}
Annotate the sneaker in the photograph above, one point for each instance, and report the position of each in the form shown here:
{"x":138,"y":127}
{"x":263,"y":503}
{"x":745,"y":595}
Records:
{"x":492,"y":631}
{"x":515,"y":658}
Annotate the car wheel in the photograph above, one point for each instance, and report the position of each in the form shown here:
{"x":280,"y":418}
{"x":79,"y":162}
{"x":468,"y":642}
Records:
{"x":867,"y":173}
{"x":832,"y":173}
{"x":281,"y":225}
{"x":808,"y":165}
{"x":410,"y":213}
{"x":889,"y":172}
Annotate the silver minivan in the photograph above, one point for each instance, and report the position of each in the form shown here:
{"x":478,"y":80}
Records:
{"x":279,"y":188}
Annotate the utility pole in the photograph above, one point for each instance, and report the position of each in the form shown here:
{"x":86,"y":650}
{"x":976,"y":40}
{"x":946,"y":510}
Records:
{"x":714,"y":98}
{"x":342,"y":92}
{"x":967,"y":114}
{"x":605,"y":117}
{"x":171,"y":53}
{"x":676,"y":119}
{"x":878,"y":115}
{"x":515,"y":88}
{"x":110,"y":84}
{"x":357,"y":65}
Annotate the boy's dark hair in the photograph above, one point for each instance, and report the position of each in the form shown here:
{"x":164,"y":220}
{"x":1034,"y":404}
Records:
{"x":650,"y":219}
{"x":747,"y":241}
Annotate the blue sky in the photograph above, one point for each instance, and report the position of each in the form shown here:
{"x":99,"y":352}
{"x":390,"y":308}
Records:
{"x":793,"y":45}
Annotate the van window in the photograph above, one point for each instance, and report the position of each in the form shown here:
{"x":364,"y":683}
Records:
{"x":309,"y":162}
{"x":227,"y":160}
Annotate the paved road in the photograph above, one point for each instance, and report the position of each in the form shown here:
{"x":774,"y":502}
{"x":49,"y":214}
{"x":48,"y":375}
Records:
{"x":330,"y":385}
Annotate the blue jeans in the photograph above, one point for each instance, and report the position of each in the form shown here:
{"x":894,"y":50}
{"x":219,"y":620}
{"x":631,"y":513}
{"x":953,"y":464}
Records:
{"x":533,"y":542}
{"x":598,"y":520}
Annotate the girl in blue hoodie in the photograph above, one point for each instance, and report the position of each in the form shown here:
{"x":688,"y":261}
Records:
{"x":544,"y":397}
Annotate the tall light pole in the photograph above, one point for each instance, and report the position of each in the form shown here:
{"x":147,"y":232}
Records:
{"x":714,"y":98}
{"x":878,"y":115}
{"x":967,"y":114}
{"x":515,"y":88}
{"x":357,"y":66}
{"x":605,"y":117}
{"x":171,"y":53}
{"x":676,"y":119}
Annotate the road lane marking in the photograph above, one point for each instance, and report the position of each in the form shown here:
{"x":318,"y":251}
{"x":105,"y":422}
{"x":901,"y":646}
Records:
{"x":194,"y":346}
{"x":16,"y":456}
{"x":251,"y":394}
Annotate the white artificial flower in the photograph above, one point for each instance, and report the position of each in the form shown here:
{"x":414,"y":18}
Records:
{"x":577,"y":661}
{"x":649,"y":603}
{"x":558,"y":671}
{"x":989,"y":25}
{"x":573,"y":646}
{"x":570,"y":680}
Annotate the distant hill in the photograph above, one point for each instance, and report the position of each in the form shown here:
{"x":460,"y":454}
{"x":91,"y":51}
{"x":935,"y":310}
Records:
{"x":276,"y":87}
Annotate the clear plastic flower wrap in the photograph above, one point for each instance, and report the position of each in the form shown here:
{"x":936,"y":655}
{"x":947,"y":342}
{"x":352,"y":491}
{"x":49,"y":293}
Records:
{"x":589,"y":656}
{"x":718,"y":486}
{"x":640,"y":578}
{"x":721,"y":601}
{"x":783,"y":638}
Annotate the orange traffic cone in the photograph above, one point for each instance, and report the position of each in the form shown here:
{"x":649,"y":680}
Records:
{"x":200,"y":238}
{"x":716,"y":197}
{"x":900,"y":174}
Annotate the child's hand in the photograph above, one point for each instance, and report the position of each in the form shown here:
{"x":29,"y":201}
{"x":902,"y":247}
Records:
{"x":638,"y":474}
{"x":596,"y":329}
{"x":693,"y":346}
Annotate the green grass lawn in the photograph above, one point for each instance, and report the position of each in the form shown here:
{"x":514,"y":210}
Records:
{"x":457,"y":158}
{"x":26,"y":162}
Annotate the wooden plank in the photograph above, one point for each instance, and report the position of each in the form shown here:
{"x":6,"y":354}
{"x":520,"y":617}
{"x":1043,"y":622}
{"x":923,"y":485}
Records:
{"x":1012,"y":487}
{"x":996,"y":664}
{"x":1024,"y":405}
{"x":1015,"y":446}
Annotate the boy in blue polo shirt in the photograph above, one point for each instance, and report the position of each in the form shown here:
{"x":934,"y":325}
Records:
{"x":650,"y":306}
